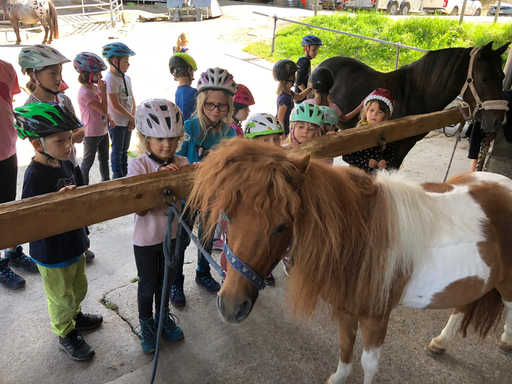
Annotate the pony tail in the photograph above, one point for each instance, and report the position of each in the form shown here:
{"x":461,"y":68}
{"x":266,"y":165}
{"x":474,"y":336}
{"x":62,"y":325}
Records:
{"x":483,"y":314}
{"x":54,"y":21}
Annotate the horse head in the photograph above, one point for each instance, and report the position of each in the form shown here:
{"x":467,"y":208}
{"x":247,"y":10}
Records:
{"x":483,"y":87}
{"x":255,"y":186}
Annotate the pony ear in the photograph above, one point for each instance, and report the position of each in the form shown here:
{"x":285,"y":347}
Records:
{"x":501,"y":50}
{"x":301,"y":163}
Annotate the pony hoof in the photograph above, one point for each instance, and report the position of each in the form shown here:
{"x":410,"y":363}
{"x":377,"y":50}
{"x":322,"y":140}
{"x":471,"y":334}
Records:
{"x":504,"y":348}
{"x":434,"y":351}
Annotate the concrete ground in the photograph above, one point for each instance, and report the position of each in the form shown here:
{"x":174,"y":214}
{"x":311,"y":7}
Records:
{"x":270,"y":346}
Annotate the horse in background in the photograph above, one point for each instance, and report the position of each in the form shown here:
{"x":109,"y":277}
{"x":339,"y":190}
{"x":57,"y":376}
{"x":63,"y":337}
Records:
{"x":31,"y":12}
{"x":427,"y":85}
{"x":361,"y":245}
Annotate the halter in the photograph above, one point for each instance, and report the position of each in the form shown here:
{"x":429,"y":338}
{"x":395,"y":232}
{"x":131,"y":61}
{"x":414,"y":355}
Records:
{"x":488,"y":105}
{"x":243,"y":268}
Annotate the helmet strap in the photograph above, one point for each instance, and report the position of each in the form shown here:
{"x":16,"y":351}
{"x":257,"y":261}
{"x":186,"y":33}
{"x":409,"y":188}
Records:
{"x":46,"y":89}
{"x":307,"y":53}
{"x":50,"y":161}
{"x":156,"y":159}
{"x":122,"y":75}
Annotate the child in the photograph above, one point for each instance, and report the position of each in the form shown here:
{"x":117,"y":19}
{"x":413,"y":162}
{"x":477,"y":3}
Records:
{"x":93,"y":103}
{"x":307,"y":120}
{"x":284,"y":72}
{"x":121,"y":106}
{"x":216,"y":88}
{"x":160,"y":130}
{"x":264,"y":127}
{"x":242,"y":100}
{"x":310,"y":45}
{"x":322,"y":81}
{"x":60,"y":258}
{"x":181,"y":44}
{"x":330,"y":121}
{"x":9,"y":174}
{"x":378,"y":107}
{"x":182,"y":67}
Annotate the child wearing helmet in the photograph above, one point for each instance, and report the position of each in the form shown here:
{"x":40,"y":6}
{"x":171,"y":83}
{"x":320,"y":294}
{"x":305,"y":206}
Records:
{"x":284,"y":72}
{"x":307,"y":121}
{"x":310,"y":45}
{"x":242,"y":101}
{"x":160,"y":130}
{"x":121,"y":105}
{"x":322,"y":80}
{"x":182,"y":67}
{"x":61,"y":258}
{"x":204,"y":132}
{"x":264,"y":127}
{"x":93,"y":103}
{"x":331,"y":120}
{"x":378,"y":107}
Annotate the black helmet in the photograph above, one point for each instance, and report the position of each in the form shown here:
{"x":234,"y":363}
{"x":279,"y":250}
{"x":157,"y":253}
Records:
{"x":311,"y":40}
{"x":322,"y":79}
{"x":284,"y":69}
{"x":181,"y":61}
{"x":44,"y":119}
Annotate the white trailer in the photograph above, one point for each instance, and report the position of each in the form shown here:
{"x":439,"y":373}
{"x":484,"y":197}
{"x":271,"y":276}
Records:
{"x":395,"y":7}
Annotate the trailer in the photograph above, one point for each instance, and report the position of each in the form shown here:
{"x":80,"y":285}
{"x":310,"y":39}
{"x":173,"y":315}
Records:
{"x":395,"y":7}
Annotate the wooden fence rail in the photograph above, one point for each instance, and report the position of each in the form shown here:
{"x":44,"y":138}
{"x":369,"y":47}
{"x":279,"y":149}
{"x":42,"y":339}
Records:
{"x":42,"y":216}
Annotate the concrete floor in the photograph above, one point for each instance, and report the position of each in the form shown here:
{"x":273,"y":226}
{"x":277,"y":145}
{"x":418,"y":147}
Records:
{"x":270,"y":346}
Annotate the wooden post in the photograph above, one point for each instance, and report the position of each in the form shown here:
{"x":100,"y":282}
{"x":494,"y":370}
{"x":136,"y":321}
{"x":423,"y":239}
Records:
{"x":42,"y":216}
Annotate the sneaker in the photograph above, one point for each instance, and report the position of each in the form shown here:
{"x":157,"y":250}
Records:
{"x":218,"y":244}
{"x":87,"y":321}
{"x":206,"y":280}
{"x":147,"y":333}
{"x":170,"y":327}
{"x":18,"y":259}
{"x":89,"y":255}
{"x":75,"y":346}
{"x":8,"y":278}
{"x":269,"y":280}
{"x":286,"y":266}
{"x":177,"y":295}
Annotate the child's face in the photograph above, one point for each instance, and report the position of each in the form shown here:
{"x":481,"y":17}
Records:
{"x":375,"y":114}
{"x":273,"y":139}
{"x":163,"y":148}
{"x":216,"y":106}
{"x":313,"y":50}
{"x":96,"y":76}
{"x":50,"y":77}
{"x":289,"y":83}
{"x":304,"y":131}
{"x":58,"y":145}
{"x":242,"y":114}
{"x":123,"y":63}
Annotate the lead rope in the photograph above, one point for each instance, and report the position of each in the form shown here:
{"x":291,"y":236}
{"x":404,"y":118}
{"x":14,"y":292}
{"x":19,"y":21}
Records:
{"x":457,"y":135}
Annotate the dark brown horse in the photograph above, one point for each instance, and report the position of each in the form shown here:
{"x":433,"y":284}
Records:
{"x":31,"y":12}
{"x":425,"y":86}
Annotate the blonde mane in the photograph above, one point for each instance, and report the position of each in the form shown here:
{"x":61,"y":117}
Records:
{"x":353,"y":236}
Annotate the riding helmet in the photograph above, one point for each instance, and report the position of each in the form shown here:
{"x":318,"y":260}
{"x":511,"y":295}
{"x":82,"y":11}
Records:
{"x":217,"y":79}
{"x":311,"y":40}
{"x":181,"y":61}
{"x":39,"y":56}
{"x":322,"y":79}
{"x":284,"y":69}
{"x":262,"y":124}
{"x":116,"y":49}
{"x":159,"y":118}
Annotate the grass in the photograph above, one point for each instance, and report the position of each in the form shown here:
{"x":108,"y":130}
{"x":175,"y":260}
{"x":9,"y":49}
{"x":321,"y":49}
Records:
{"x":427,"y":32}
{"x":134,"y":280}
{"x":109,"y":305}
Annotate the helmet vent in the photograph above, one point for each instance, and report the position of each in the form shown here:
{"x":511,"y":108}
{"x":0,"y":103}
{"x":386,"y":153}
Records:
{"x":148,"y":105}
{"x":269,"y":119}
{"x":44,"y":55}
{"x":154,"y":118}
{"x":150,"y":125}
{"x":168,"y":121}
{"x":163,"y":108}
{"x":178,"y":116}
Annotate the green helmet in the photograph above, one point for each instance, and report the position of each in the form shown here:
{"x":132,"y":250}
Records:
{"x":330,"y":115}
{"x":181,"y":61}
{"x":262,"y":124}
{"x":44,"y":119}
{"x":310,"y":113}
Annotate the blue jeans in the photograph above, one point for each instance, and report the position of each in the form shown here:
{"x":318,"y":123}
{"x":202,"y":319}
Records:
{"x":120,"y":137}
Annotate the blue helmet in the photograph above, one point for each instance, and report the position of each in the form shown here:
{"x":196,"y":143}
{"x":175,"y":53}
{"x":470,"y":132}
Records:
{"x":311,"y":40}
{"x":116,"y":49}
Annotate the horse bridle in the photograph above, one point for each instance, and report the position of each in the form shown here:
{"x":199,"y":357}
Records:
{"x":243,"y":268}
{"x":488,"y":105}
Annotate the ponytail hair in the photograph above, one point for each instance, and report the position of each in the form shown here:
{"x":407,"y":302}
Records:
{"x":182,"y":42}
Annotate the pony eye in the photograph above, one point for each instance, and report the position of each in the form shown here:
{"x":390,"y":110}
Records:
{"x":280,"y":229}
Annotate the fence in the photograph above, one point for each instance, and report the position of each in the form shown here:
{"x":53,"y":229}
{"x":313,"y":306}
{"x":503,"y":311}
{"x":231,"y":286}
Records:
{"x":397,"y":45}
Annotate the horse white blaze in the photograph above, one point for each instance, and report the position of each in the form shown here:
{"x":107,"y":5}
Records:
{"x":449,"y":332}
{"x":507,"y":335}
{"x":370,"y":362}
{"x":341,"y":374}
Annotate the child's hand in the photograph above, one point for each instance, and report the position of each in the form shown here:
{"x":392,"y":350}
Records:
{"x":197,"y":165}
{"x":131,"y":126}
{"x":373,"y":163}
{"x":331,"y":133}
{"x":67,"y":188}
{"x":383,"y":164}
{"x":111,"y":123}
{"x":102,"y":86}
{"x":171,"y":167}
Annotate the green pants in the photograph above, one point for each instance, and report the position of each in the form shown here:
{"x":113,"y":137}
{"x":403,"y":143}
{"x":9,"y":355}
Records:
{"x":65,"y":290}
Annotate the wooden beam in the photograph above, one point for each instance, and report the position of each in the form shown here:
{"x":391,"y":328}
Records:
{"x":42,"y":216}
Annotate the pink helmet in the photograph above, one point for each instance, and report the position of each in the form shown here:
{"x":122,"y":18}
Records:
{"x":216,"y":79}
{"x":243,"y":96}
{"x":159,"y":118}
{"x":382,"y":95}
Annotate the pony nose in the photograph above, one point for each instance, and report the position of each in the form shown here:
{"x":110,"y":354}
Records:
{"x":498,"y":122}
{"x":244,"y":309}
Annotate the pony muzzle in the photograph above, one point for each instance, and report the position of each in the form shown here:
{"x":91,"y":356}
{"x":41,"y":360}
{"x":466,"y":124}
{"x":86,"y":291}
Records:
{"x":234,"y":310}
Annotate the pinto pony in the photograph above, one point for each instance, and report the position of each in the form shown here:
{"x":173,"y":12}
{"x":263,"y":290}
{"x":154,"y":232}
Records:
{"x":362,"y":245}
{"x":31,"y":12}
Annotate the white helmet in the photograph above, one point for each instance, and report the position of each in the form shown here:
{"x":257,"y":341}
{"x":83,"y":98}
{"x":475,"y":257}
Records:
{"x":39,"y":56}
{"x":216,"y":79}
{"x":262,"y":124}
{"x":159,"y":118}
